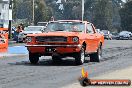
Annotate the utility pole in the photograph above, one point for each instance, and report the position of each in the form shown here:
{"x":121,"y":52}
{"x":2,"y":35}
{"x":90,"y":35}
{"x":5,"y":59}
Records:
{"x":33,"y":13}
{"x":82,"y":9}
{"x":10,"y":18}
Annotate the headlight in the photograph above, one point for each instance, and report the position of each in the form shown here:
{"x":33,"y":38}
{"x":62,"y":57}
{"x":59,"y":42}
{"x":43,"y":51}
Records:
{"x":29,"y":39}
{"x":75,"y":39}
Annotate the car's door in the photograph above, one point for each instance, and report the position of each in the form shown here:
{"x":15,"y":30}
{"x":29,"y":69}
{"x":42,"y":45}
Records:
{"x":91,"y":39}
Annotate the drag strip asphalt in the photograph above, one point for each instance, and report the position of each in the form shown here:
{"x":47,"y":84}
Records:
{"x":17,"y":72}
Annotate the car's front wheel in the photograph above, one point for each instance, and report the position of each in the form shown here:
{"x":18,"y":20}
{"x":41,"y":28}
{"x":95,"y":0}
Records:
{"x":80,"y":57}
{"x":95,"y":57}
{"x":33,"y":58}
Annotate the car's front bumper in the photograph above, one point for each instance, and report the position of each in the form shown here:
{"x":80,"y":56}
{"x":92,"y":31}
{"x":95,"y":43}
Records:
{"x":122,"y":37}
{"x":53,"y":45}
{"x":50,"y":49}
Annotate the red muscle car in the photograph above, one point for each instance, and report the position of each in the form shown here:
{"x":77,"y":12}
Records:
{"x":64,"y":38}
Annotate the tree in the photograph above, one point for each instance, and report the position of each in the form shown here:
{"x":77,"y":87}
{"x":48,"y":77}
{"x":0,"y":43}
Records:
{"x":103,"y":14}
{"x":42,"y":12}
{"x":126,"y":16}
{"x":22,"y":9}
{"x":72,"y":9}
{"x":89,"y":7}
{"x":14,"y":9}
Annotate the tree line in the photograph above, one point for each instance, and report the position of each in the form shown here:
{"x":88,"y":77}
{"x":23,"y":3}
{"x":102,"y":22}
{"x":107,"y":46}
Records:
{"x":113,"y":15}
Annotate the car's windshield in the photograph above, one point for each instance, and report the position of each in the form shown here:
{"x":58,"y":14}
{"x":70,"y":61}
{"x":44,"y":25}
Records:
{"x":66,"y":26}
{"x":33,"y":29}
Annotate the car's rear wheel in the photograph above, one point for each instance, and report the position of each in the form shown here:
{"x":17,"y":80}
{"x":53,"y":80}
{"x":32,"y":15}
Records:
{"x":95,"y":57}
{"x":80,"y":57}
{"x":33,"y":58}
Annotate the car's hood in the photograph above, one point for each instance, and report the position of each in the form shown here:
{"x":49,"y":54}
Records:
{"x":57,"y":34}
{"x":31,"y":32}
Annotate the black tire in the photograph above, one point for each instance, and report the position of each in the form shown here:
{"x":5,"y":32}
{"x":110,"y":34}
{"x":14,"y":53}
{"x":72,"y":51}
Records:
{"x":85,"y":82}
{"x":56,"y":59}
{"x":95,"y":57}
{"x":131,"y":38}
{"x":33,"y":58}
{"x":80,"y":57}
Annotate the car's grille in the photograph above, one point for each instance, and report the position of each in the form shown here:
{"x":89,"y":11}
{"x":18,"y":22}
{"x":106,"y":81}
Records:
{"x":51,"y":39}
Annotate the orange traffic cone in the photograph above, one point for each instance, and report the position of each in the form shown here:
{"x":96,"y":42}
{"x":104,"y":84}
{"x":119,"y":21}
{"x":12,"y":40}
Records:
{"x":84,"y":81}
{"x":84,"y":74}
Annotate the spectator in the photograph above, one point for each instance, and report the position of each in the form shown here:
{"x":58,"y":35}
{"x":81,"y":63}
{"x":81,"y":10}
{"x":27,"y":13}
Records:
{"x":52,"y":18}
{"x":19,"y":29}
{"x":22,"y":26}
{"x":16,"y":33}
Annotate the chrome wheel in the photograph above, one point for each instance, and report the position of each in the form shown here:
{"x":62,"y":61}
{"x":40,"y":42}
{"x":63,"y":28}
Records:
{"x":80,"y":57}
{"x":100,"y":52}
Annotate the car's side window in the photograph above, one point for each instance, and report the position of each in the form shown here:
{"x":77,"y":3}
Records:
{"x":90,"y":29}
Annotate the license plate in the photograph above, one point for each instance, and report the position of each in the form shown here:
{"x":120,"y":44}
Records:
{"x":49,"y":49}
